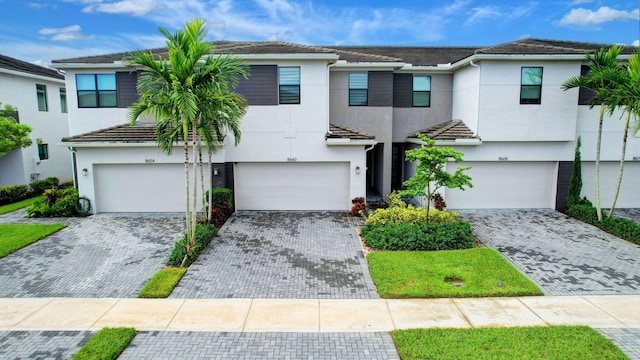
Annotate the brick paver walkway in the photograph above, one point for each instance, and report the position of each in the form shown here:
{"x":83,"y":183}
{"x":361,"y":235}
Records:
{"x":295,"y":255}
{"x":23,"y":345}
{"x":98,"y":256}
{"x":562,"y":255}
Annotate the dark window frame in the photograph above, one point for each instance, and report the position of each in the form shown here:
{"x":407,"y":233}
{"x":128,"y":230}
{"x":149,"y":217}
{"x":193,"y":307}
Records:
{"x":531,"y":101}
{"x":353,"y":90}
{"x":43,"y":151}
{"x":414,"y":91}
{"x":41,"y":92}
{"x":283,"y":87}
{"x":63,"y":100}
{"x":585,"y":95}
{"x":97,"y":91}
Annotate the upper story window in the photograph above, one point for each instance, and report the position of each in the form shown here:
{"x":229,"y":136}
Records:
{"x":585,"y":95}
{"x":43,"y":151}
{"x":96,"y":90}
{"x":63,"y":100}
{"x":289,"y":85}
{"x":358,"y":89}
{"x":41,"y":93}
{"x":531,"y":85}
{"x":421,"y":91}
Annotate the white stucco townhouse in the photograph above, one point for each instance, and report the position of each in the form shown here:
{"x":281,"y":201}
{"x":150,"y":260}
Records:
{"x":39,"y":95}
{"x":354,"y":112}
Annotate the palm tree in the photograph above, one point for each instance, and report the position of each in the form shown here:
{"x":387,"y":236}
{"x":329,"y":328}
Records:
{"x":599,"y":62}
{"x":627,"y":96}
{"x":183,"y":92}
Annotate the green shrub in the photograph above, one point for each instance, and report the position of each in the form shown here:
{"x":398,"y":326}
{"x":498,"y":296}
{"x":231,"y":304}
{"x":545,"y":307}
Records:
{"x":38,"y":187}
{"x":57,"y":203}
{"x":220,"y":196}
{"x":410,"y":214}
{"x":184,"y":253}
{"x":623,"y":228}
{"x":418,"y":236}
{"x":586,"y":213}
{"x":14,"y":193}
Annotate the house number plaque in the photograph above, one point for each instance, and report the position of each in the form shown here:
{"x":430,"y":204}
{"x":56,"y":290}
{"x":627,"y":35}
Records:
{"x":149,"y":160}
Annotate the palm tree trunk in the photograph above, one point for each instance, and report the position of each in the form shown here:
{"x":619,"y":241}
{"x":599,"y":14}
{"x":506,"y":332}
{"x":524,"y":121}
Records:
{"x":624,"y":150}
{"x":204,"y":210}
{"x":186,"y":187}
{"x":598,"y":146}
{"x":194,"y":211}
{"x":210,"y":189}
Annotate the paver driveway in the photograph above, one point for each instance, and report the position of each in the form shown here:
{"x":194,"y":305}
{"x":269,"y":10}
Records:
{"x":281,"y":255}
{"x":562,"y":255}
{"x":105,"y":255}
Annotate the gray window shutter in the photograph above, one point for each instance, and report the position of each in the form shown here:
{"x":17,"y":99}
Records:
{"x":585,"y":95}
{"x":380,"y":88}
{"x":402,"y":90}
{"x":126,"y":88}
{"x":261,"y":88}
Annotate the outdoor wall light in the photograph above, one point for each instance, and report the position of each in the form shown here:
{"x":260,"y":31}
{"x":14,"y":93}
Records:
{"x":85,"y":172}
{"x":357,"y":169}
{"x":215,"y":171}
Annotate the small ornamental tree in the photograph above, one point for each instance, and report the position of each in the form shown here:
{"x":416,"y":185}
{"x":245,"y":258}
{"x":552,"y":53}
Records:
{"x":575,"y":182}
{"x":13,"y":135}
{"x":431,"y":174}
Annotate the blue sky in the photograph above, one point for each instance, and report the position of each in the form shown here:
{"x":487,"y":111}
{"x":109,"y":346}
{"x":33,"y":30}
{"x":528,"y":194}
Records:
{"x":39,"y":31}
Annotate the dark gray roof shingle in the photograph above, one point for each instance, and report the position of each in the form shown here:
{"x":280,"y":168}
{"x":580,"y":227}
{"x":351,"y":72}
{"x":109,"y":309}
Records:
{"x":417,"y":55}
{"x":141,"y":132}
{"x":450,"y":130}
{"x":343,"y":132}
{"x":532,"y":46}
{"x":10,"y":63}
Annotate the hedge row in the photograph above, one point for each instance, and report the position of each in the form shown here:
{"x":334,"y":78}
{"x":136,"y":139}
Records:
{"x":418,"y":236}
{"x":183,"y":254}
{"x":620,"y":227}
{"x":14,"y":193}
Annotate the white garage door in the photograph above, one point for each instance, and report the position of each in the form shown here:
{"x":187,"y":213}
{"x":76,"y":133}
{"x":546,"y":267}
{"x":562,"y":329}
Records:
{"x":140,"y":188}
{"x":629,"y":194}
{"x":292,"y":186}
{"x":505,"y":185}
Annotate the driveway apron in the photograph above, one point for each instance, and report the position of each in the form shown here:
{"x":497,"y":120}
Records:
{"x":106,"y":255}
{"x":313,"y":255}
{"x":562,"y":255}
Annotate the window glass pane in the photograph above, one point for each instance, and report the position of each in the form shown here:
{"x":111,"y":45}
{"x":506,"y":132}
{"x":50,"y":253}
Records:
{"x":357,"y":97}
{"x":530,"y":92}
{"x":41,"y":93}
{"x":106,"y":81}
{"x":289,"y":76}
{"x":289,"y":94}
{"x":422,"y":98}
{"x":63,"y":100}
{"x":358,"y":81}
{"x":108,"y":98}
{"x":43,"y":151}
{"x":531,"y":76}
{"x":86,"y":82}
{"x":422,"y":83}
{"x":87,"y":99}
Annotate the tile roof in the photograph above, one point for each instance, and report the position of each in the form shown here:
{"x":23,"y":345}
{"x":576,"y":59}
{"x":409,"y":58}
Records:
{"x":532,"y":46}
{"x":450,"y":130}
{"x":343,"y":132}
{"x":417,"y":55}
{"x":10,"y":63}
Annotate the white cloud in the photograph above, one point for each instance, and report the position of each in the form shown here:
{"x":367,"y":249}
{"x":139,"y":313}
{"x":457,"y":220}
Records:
{"x":586,"y":17}
{"x":127,"y":7}
{"x":636,"y":43}
{"x":69,"y":33}
{"x":578,"y":2}
{"x":501,"y":13}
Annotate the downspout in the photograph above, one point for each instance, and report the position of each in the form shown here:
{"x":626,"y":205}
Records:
{"x":478,"y":102}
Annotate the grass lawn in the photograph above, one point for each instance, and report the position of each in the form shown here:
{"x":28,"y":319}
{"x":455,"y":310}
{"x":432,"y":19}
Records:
{"x":453,"y":273}
{"x":19,"y":205}
{"x":16,"y":236}
{"x":162,"y":283}
{"x":553,"y":342}
{"x":106,"y":344}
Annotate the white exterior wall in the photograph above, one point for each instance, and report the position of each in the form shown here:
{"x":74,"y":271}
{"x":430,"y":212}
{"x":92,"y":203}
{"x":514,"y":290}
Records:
{"x":50,"y":126}
{"x":612,"y":130}
{"x":465,"y":97}
{"x":503,"y":118}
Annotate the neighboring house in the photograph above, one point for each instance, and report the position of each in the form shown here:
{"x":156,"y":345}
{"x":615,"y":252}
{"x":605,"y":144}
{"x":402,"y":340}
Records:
{"x":40,"y":97}
{"x":327,"y":124}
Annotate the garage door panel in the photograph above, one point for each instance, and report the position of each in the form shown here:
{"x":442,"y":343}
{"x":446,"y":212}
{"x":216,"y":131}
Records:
{"x":629,"y":195}
{"x":292,"y":186}
{"x":139,"y":188}
{"x":505,"y":185}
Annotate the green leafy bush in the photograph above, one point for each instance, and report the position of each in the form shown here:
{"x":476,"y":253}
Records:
{"x":184,"y":253}
{"x":38,"y":187}
{"x":622,"y":228}
{"x":418,"y":236}
{"x":220,"y":196}
{"x":409,"y":214}
{"x":14,"y":193}
{"x":57,"y":203}
{"x":585,"y":213}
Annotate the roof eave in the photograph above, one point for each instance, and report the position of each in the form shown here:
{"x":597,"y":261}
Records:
{"x":350,"y":142}
{"x":29,"y":75}
{"x":360,"y":65}
{"x":524,"y":57}
{"x":456,"y":142}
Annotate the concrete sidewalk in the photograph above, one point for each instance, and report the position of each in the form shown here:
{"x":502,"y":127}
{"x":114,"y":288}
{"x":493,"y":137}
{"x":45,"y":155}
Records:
{"x":323,"y":315}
